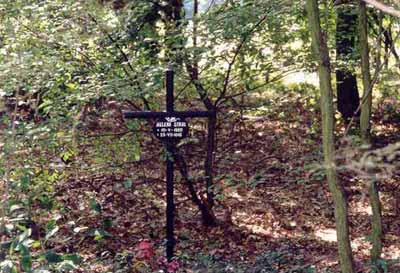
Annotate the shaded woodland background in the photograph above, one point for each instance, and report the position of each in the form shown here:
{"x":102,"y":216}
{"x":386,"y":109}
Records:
{"x":83,"y":188}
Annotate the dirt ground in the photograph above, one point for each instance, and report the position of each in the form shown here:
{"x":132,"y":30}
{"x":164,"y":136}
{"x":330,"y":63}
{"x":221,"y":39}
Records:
{"x":273,"y":203}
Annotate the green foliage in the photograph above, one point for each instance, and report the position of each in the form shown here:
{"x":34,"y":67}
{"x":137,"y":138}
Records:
{"x":208,"y":263}
{"x":382,"y":265}
{"x":67,"y":68}
{"x":20,"y":251}
{"x":268,"y":262}
{"x":273,"y":262}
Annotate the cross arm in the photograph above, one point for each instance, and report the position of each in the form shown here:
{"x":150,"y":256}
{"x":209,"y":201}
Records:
{"x":144,"y":114}
{"x":183,"y":114}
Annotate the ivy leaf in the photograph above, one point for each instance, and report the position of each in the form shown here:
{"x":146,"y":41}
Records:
{"x":76,"y":259}
{"x":52,"y":232}
{"x":23,"y":249}
{"x":53,"y":257}
{"x":26,"y":263}
{"x":98,"y":235}
{"x":128,"y":184}
{"x":25,"y":182}
{"x":94,"y":205}
{"x":71,"y":86}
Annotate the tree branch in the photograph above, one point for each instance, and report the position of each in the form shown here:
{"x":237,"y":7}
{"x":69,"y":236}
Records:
{"x":383,"y":7}
{"x":133,"y":78}
{"x":236,"y":54}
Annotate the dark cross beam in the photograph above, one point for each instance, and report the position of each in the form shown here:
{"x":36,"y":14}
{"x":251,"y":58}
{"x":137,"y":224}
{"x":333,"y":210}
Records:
{"x":170,"y":144}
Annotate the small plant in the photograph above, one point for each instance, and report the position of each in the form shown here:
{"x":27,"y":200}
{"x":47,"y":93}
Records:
{"x":282,"y":260}
{"x":382,"y":266}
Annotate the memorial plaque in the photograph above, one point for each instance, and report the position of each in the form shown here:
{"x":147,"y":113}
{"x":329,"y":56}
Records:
{"x":171,"y":128}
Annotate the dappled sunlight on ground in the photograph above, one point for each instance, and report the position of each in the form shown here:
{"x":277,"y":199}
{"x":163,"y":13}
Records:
{"x":391,"y":252}
{"x":328,"y":235}
{"x":271,"y":194}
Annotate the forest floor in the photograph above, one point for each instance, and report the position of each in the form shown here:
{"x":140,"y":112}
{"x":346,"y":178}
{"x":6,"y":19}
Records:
{"x":274,"y":207}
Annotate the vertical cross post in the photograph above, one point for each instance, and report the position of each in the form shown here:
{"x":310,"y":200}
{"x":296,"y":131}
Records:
{"x":169,"y":145}
{"x":170,"y":91}
{"x":170,"y":202}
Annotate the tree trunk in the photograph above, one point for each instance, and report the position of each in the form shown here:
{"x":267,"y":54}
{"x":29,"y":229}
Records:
{"x":365,"y":69}
{"x":348,"y":98}
{"x":208,"y":164}
{"x":339,"y":199}
{"x":389,"y":46}
{"x":212,"y":123}
{"x":207,"y":214}
{"x":376,"y":219}
{"x":376,"y":222}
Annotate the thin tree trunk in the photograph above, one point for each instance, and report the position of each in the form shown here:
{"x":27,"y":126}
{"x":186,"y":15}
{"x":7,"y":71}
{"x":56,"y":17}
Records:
{"x":390,"y":47}
{"x":376,"y":222}
{"x":339,"y":199}
{"x":207,"y":215}
{"x":365,"y":69}
{"x":212,"y":123}
{"x":376,"y":219}
{"x":208,"y":164}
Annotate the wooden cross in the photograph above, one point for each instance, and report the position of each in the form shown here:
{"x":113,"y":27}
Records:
{"x":170,"y":127}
